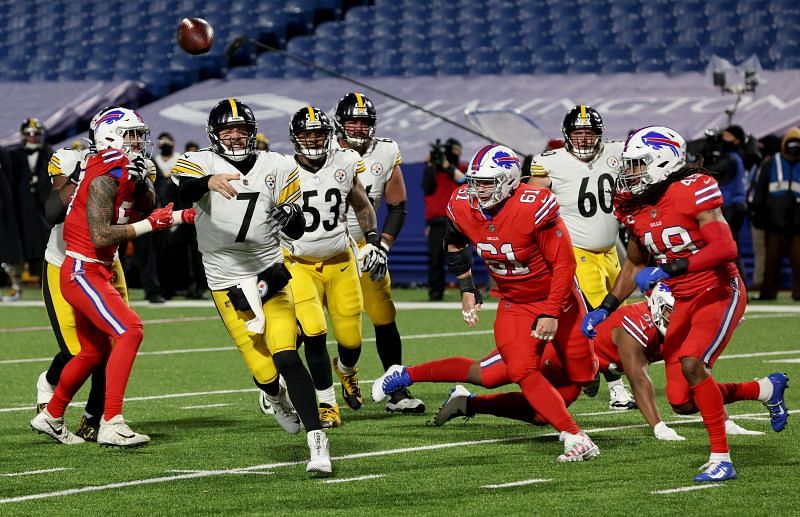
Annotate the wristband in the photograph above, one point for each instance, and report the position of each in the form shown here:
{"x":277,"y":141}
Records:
{"x":142,"y":227}
{"x":372,"y":237}
{"x":177,"y":217}
{"x":610,"y":303}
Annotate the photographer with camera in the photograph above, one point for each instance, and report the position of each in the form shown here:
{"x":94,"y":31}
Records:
{"x":444,"y":172}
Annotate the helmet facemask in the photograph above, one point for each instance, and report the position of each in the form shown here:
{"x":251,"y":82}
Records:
{"x":661,"y":303}
{"x":633,"y":174}
{"x":486,"y":192}
{"x":314,"y":144}
{"x":358,"y":132}
{"x":232,"y":144}
{"x":583,"y":143}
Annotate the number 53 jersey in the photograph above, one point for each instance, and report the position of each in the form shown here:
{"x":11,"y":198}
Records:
{"x":585,"y":191}
{"x":237,"y":237}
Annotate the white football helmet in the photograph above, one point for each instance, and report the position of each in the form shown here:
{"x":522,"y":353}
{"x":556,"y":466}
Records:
{"x":123,"y":129}
{"x":493,"y":174}
{"x":650,"y":155}
{"x":661,"y":303}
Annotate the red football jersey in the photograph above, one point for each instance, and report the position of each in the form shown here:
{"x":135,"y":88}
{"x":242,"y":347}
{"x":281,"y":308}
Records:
{"x":635,"y":319}
{"x":669,"y":230}
{"x":521,"y":259}
{"x":109,"y":162}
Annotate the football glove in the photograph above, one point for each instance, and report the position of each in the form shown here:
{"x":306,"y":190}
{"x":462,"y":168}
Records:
{"x":284,"y":213}
{"x":161,"y":218}
{"x":666,"y":433}
{"x":373,"y":259}
{"x":137,"y":168}
{"x":650,"y":276}
{"x":591,"y":321}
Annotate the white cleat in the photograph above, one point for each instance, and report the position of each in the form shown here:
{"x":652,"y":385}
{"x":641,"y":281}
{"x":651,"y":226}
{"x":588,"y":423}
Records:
{"x":116,"y":433}
{"x":284,"y":411}
{"x":621,"y":399}
{"x":44,"y":423}
{"x":319,"y":463}
{"x":395,"y":379}
{"x":454,"y":406}
{"x":264,"y":404}
{"x":404,"y":402}
{"x":578,"y":447}
{"x":44,"y":391}
{"x":732,"y":429}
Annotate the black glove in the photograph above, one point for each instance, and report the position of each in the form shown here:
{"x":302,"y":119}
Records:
{"x":137,"y":169}
{"x":75,"y":176}
{"x":284,"y":213}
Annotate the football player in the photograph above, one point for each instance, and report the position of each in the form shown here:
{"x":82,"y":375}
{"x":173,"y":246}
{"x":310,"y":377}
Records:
{"x":354,"y":119}
{"x":323,"y":263}
{"x":66,"y":169}
{"x":113,"y":186}
{"x":672,"y":211}
{"x":582,"y":176}
{"x":519,"y":234}
{"x":244,"y":199}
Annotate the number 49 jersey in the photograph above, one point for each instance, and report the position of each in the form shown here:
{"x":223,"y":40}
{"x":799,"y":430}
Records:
{"x":669,"y":230}
{"x":585,"y":191}
{"x":325,"y":205}
{"x":237,"y":236}
{"x":510,"y":243}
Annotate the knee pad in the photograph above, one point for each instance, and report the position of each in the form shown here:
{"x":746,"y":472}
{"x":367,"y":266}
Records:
{"x":347,"y":331}
{"x":287,"y":360}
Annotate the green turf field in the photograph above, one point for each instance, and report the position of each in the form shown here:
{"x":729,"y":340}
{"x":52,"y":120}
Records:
{"x":214,"y":452}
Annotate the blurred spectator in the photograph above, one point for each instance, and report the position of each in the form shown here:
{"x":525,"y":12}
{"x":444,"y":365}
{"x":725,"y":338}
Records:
{"x":262,"y":142}
{"x":554,"y":143}
{"x":776,"y":208}
{"x":165,"y":159}
{"x":30,"y":186}
{"x":729,"y":172}
{"x":444,"y":172}
{"x":77,"y":145}
{"x":767,"y":147}
{"x":10,"y":242}
{"x":191,"y":147}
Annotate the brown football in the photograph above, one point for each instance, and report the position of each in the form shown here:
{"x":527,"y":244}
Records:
{"x":195,"y":35}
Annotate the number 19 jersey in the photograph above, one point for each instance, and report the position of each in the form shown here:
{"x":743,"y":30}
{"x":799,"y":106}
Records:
{"x":585,"y":191}
{"x":237,"y":237}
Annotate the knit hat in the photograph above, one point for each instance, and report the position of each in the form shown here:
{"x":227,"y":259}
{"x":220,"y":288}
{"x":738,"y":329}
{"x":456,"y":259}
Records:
{"x":738,"y":132}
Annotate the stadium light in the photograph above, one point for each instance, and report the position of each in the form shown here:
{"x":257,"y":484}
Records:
{"x":738,"y":80}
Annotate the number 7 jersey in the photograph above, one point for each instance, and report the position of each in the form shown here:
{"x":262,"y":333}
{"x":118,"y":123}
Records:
{"x":237,"y":237}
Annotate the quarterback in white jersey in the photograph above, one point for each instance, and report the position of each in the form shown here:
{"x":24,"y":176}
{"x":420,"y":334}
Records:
{"x":355,"y":118}
{"x":322,"y":262}
{"x":583,"y":175}
{"x":244,"y":199}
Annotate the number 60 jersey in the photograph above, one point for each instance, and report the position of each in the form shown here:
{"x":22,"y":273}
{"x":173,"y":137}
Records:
{"x":236,"y":236}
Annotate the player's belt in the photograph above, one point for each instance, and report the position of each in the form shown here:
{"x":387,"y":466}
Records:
{"x":345,"y":256}
{"x":79,"y":256}
{"x":595,"y":252}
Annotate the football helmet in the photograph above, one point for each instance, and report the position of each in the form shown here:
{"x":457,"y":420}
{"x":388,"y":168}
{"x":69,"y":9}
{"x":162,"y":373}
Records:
{"x":305,"y":121}
{"x":355,"y":106}
{"x":583,"y":117}
{"x":226,"y":114}
{"x":123,"y":129}
{"x":93,"y":123}
{"x":493,"y":174}
{"x":661,"y":303}
{"x":650,"y":155}
{"x":32,"y":127}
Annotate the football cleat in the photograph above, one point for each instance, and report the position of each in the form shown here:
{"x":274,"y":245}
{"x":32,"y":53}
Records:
{"x":264,"y":405}
{"x":732,"y":429}
{"x":87,"y":428}
{"x":319,"y":463}
{"x":350,"y":388}
{"x":329,"y":416}
{"x":116,"y":433}
{"x":454,"y":406}
{"x":44,"y":423}
{"x":778,"y":415}
{"x":44,"y":392}
{"x":621,"y":399}
{"x":403,"y":402}
{"x":395,"y":379}
{"x":578,"y":447}
{"x":716,"y":471}
{"x":591,"y":389}
{"x":284,"y":411}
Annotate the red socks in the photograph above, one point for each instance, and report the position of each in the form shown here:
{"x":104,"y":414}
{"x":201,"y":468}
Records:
{"x":75,"y":373}
{"x":548,"y":404}
{"x":118,"y":370}
{"x":708,"y":399}
{"x":452,"y":369}
{"x":733,"y":391}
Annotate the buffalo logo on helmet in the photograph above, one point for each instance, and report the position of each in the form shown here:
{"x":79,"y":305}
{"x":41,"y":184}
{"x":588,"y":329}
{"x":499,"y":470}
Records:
{"x":111,"y":117}
{"x":658,"y":141}
{"x":376,"y":169}
{"x":340,"y":175}
{"x":505,"y":160}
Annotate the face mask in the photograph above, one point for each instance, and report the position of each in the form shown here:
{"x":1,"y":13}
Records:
{"x":166,"y":149}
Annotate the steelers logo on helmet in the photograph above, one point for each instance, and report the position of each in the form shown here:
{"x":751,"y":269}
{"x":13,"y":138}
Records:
{"x":583,"y":132}
{"x":232,"y":129}
{"x":650,"y":155}
{"x":355,"y":118}
{"x":492,"y":176}
{"x":311,"y":132}
{"x":123,"y":129}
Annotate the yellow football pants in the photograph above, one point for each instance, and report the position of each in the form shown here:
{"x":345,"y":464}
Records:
{"x":378,"y":298}
{"x":597,"y":271}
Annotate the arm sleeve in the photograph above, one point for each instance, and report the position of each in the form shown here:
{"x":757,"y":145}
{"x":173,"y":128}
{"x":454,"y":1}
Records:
{"x":557,"y":250}
{"x":720,"y":247}
{"x":54,"y":209}
{"x":190,"y":190}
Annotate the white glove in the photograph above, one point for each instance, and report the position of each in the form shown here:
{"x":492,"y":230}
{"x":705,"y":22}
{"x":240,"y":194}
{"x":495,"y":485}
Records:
{"x":373,"y":259}
{"x":668,"y":434}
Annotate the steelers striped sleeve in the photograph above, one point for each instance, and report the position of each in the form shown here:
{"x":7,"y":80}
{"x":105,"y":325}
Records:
{"x":397,"y":159}
{"x":360,"y":167}
{"x":291,"y":193}
{"x":54,"y":166}
{"x":538,"y":170}
{"x":152,"y":173}
{"x":187,"y":168}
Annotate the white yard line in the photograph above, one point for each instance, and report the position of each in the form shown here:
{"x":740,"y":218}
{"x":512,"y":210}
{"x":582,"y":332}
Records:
{"x":205,"y":406}
{"x":598,"y":413}
{"x":784,"y":361}
{"x":359,"y":478}
{"x":32,"y":472}
{"x":517,"y":483}
{"x":686,"y":488}
{"x":263,"y":473}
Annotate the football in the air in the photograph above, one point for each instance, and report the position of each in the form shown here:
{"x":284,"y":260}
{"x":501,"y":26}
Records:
{"x":195,"y":35}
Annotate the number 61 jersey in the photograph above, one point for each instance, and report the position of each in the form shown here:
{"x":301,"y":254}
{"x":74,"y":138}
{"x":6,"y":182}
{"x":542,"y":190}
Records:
{"x":237,"y":237}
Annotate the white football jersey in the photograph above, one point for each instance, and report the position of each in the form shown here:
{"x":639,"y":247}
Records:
{"x":62,"y":163}
{"x":585,"y":191}
{"x":236,"y":236}
{"x":325,"y":205}
{"x":380,"y":160}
